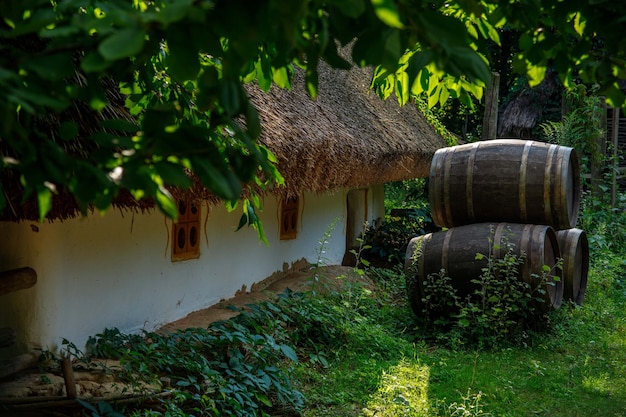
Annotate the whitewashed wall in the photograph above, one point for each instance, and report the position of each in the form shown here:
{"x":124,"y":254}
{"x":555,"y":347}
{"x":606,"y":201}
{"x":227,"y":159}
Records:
{"x":115,"y":270}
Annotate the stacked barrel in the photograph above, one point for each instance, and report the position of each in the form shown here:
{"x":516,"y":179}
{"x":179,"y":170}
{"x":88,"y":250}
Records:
{"x":526,"y":193}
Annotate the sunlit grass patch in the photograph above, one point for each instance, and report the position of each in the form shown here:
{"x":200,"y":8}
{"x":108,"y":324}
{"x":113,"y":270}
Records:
{"x":403,"y":391}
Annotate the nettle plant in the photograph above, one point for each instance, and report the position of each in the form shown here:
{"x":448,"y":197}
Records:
{"x":501,"y":309}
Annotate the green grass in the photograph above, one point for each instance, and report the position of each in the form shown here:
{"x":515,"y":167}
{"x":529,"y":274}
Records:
{"x":575,"y":368}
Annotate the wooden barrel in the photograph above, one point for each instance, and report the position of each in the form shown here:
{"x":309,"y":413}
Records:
{"x":505,"y":180}
{"x":574,"y":248}
{"x":455,"y":251}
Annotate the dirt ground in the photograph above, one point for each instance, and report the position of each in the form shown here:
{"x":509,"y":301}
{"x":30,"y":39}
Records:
{"x":298,"y":279}
{"x":99,"y":382}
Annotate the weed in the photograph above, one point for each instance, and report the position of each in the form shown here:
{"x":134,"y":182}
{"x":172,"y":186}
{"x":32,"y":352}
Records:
{"x":500,"y":308}
{"x":469,"y":406}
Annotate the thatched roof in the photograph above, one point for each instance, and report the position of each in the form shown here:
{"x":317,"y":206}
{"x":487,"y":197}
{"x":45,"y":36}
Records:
{"x":525,"y":111}
{"x":347,"y":137}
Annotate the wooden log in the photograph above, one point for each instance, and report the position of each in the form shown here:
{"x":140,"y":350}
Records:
{"x":17,"y":364}
{"x":17,"y":279}
{"x":7,"y":337}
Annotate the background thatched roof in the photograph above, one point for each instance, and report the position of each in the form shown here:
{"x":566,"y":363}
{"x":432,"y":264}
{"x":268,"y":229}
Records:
{"x":526,"y":111}
{"x":347,"y":137}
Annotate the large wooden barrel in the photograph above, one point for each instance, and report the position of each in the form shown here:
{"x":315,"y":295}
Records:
{"x":505,"y":180}
{"x":574,"y":248}
{"x":455,"y":251}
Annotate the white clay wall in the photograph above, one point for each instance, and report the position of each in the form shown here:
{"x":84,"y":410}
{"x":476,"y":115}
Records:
{"x":115,"y":270}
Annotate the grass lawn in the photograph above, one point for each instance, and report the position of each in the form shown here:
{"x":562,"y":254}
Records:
{"x":384,"y":368}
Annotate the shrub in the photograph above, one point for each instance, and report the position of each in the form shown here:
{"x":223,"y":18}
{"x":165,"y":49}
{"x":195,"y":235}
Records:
{"x":500,"y":309}
{"x":389,"y":241}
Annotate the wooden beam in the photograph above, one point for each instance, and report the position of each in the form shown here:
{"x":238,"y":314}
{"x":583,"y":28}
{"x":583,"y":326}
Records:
{"x":17,"y":279}
{"x":17,"y":364}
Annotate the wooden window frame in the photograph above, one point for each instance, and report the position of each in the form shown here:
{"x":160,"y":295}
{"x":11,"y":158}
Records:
{"x":289,"y":217}
{"x":186,"y":231}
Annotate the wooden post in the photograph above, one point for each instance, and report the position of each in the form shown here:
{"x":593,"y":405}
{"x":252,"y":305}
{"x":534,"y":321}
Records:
{"x":7,"y":337}
{"x":490,"y":118}
{"x":614,"y":160}
{"x":17,"y":279}
{"x":596,"y":166}
{"x":68,"y":377}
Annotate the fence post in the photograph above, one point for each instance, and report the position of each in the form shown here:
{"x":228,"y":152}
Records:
{"x":490,"y":118}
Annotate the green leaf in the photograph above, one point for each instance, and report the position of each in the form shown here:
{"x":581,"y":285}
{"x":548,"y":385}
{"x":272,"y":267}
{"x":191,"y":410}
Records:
{"x":579,"y":24}
{"x":289,"y":352}
{"x":215,"y":180}
{"x":312,"y":81}
{"x":280,"y":76}
{"x":253,"y":123}
{"x":264,"y":73}
{"x":124,"y":43}
{"x":94,"y":62}
{"x":183,"y":62}
{"x":351,"y":8}
{"x":174,"y":11}
{"x":536,"y":75}
{"x":44,"y":202}
{"x":173,"y":174}
{"x":387,"y":11}
{"x":52,"y":67}
{"x":68,"y":130}
{"x":263,"y":398}
{"x":28,"y":96}
{"x":166,"y":203}
{"x":230,"y":97}
{"x":243,"y":220}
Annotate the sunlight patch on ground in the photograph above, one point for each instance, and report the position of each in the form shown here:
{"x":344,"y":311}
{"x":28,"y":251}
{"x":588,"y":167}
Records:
{"x":403,"y":391}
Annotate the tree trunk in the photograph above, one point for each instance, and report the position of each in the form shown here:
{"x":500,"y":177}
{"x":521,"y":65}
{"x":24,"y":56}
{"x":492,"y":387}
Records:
{"x":17,"y":279}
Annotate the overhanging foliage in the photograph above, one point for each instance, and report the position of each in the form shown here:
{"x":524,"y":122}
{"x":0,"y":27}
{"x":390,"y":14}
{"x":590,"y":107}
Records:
{"x":179,"y":67}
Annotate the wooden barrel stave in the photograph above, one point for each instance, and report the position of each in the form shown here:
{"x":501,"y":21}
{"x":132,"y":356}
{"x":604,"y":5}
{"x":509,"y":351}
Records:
{"x":574,"y":247}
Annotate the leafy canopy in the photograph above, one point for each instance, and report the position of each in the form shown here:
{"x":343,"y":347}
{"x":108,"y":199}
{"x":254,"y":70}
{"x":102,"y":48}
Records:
{"x":179,"y":67}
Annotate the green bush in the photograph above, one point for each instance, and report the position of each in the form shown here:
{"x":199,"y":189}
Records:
{"x":500,"y":310}
{"x":389,"y":240}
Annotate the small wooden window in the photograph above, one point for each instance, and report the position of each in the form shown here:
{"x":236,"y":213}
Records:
{"x":186,"y":232}
{"x":289,"y":218}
